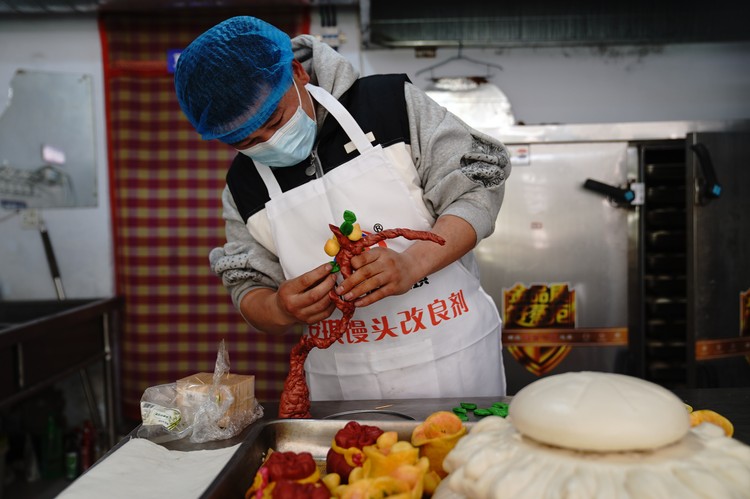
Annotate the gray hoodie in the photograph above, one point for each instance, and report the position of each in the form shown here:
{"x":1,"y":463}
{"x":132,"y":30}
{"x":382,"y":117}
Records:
{"x":462,"y":172}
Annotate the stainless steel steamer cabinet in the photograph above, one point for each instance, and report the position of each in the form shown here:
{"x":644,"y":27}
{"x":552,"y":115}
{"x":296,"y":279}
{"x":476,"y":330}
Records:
{"x":624,"y":248}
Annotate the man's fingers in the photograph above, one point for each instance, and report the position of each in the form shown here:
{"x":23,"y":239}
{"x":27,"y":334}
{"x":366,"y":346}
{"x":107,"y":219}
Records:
{"x":313,"y":277}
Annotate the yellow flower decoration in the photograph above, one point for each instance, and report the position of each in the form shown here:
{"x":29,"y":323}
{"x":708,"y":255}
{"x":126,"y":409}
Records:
{"x":377,"y":488}
{"x":436,"y":437}
{"x":356,"y":234}
{"x":332,"y":247}
{"x":387,"y":454}
{"x":392,"y":469}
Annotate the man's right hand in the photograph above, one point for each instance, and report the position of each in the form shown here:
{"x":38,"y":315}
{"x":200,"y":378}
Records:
{"x":303,"y":299}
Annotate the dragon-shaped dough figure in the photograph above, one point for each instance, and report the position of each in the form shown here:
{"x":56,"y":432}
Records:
{"x":295,"y":399}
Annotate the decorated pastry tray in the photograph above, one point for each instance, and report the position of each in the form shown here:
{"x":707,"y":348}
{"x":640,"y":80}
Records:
{"x":296,"y":435}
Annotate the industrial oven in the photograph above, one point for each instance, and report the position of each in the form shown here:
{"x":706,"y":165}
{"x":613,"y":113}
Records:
{"x":624,"y":248}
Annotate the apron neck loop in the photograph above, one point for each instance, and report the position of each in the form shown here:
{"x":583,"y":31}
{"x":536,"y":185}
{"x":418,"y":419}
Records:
{"x":347,"y":122}
{"x":344,"y":118}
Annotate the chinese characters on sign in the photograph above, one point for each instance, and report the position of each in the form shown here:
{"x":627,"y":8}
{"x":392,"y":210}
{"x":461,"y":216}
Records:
{"x":405,"y":322}
{"x":539,"y":307}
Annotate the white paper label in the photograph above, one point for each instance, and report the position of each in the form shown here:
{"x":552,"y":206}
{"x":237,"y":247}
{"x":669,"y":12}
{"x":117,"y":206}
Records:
{"x":153,"y":414}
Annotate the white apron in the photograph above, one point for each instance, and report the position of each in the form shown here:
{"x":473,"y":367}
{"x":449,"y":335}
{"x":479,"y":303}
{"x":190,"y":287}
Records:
{"x":440,"y":339}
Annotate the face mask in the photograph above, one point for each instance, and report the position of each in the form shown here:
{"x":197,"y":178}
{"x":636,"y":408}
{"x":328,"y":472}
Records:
{"x":291,"y":143}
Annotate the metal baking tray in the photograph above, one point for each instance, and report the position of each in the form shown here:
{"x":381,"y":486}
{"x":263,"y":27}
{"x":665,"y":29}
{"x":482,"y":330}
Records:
{"x":284,"y":435}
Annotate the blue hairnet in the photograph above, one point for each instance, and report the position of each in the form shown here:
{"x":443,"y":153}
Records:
{"x":230,"y":79}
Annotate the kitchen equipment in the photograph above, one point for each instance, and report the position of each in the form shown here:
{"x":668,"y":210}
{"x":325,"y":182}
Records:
{"x":557,"y":263}
{"x":623,"y":248}
{"x":718,"y":266}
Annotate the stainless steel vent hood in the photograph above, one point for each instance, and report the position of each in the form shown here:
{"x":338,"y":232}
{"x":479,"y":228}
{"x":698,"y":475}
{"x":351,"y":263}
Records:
{"x":395,"y":23}
{"x":22,"y":7}
{"x":436,"y":23}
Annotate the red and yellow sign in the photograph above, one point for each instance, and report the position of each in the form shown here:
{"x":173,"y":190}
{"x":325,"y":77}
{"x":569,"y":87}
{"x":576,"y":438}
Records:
{"x":539,"y":306}
{"x":540,"y":326}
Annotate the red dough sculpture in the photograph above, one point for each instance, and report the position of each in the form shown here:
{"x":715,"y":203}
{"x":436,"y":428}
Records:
{"x":288,"y":475}
{"x":295,"y":399}
{"x":349,"y":441}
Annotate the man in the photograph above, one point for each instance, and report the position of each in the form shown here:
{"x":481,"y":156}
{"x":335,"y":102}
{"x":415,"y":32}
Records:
{"x":315,"y":140}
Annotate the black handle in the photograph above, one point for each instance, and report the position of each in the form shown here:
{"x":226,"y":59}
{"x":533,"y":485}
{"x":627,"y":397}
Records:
{"x":711,"y":186}
{"x":50,"y":253}
{"x":52,"y":261}
{"x":617,"y":194}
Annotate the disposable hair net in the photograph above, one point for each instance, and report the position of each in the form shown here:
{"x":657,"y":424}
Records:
{"x":230,"y":79}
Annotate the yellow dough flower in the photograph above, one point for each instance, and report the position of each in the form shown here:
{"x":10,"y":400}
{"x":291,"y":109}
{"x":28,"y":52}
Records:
{"x":332,"y":247}
{"x":356,"y":233}
{"x":392,"y":469}
{"x":377,"y":488}
{"x":435,"y":438}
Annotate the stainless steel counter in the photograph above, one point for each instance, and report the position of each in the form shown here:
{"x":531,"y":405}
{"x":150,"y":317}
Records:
{"x":395,"y":414}
{"x":733,"y":403}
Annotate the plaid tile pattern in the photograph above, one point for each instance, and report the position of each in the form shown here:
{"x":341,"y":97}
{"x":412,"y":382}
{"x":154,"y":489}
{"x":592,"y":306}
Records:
{"x":166,"y":189}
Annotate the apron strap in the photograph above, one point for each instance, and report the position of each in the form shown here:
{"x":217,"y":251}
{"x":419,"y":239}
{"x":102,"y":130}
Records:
{"x":345,"y":119}
{"x":274,"y":189}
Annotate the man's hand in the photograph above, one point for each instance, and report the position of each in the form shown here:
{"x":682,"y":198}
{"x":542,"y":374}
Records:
{"x":381,"y":272}
{"x":303,"y":299}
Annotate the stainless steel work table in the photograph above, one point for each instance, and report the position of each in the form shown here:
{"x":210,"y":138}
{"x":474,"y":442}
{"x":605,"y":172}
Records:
{"x":733,"y":403}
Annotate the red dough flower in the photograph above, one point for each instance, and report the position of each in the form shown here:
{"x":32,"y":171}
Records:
{"x":290,"y":466}
{"x":344,"y":454}
{"x":288,"y":475}
{"x":357,"y":435}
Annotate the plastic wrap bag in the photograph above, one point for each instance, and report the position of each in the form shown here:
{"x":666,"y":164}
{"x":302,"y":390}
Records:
{"x":203,"y":406}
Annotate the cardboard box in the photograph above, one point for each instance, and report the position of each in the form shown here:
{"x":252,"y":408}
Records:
{"x":192,"y":392}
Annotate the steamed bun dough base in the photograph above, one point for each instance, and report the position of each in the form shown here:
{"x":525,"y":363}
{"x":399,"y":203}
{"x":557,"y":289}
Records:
{"x":601,"y":412}
{"x":495,"y":461}
{"x":595,"y":435}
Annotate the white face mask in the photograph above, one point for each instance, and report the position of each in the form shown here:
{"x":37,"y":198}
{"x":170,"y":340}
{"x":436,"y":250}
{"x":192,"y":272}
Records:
{"x":290,"y":144}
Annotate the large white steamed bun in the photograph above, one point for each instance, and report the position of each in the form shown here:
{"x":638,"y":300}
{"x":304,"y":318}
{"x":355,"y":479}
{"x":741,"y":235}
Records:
{"x":602,"y":412}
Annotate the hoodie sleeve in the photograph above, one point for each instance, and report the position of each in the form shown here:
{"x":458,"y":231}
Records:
{"x":463,"y":171}
{"x":242,"y":263}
